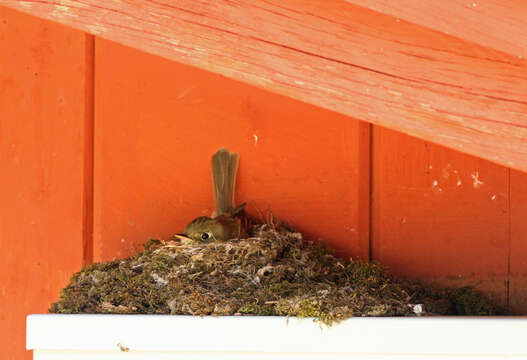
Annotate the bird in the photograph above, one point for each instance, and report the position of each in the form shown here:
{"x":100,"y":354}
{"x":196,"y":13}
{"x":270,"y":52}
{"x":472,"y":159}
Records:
{"x":227,"y":220}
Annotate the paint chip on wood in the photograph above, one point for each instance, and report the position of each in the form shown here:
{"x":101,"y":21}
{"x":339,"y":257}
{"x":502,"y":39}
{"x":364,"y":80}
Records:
{"x":458,"y":183}
{"x":435,"y":186}
{"x":477,"y":183}
{"x":446,"y":172}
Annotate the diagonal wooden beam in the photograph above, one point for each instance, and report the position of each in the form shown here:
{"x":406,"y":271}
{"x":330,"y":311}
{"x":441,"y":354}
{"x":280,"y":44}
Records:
{"x":497,"y":24}
{"x":335,"y":55}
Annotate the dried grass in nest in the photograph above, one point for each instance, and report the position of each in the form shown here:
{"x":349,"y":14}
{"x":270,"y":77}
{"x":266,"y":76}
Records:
{"x":274,"y":272}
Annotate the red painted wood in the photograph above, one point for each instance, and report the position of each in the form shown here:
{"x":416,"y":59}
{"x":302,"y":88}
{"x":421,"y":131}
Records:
{"x":498,"y":24}
{"x":440,"y":215}
{"x":335,"y":55}
{"x":42,"y":148}
{"x":518,"y":252}
{"x":157,"y":123}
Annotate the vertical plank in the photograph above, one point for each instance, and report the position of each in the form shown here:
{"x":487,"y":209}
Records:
{"x":518,"y":252}
{"x":157,"y":124}
{"x":440,"y":215}
{"x":42,"y":144}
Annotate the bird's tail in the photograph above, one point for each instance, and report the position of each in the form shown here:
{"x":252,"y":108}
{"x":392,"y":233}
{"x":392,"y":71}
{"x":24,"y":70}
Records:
{"x":224,"y":169}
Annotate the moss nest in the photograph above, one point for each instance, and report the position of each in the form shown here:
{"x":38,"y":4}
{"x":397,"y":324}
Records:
{"x":273,"y":272}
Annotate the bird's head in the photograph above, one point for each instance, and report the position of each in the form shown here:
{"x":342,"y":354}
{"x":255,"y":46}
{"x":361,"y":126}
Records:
{"x":204,"y":229}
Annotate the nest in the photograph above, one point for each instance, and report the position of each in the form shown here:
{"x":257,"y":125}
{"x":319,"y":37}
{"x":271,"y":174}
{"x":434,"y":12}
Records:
{"x":273,"y":272}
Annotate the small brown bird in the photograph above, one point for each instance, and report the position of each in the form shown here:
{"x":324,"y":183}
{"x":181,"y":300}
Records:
{"x":227,"y":219}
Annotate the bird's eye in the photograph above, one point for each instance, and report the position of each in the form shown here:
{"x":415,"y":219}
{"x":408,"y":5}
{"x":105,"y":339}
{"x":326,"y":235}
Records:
{"x":204,"y":236}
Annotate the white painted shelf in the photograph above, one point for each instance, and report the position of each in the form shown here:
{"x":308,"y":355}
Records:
{"x":141,"y":337}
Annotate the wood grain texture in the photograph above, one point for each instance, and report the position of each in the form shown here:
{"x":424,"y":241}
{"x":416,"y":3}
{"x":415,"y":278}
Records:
{"x":518,"y":251}
{"x":335,"y":55}
{"x":440,"y":215}
{"x":157,"y":124}
{"x":42,"y":144}
{"x":497,"y":24}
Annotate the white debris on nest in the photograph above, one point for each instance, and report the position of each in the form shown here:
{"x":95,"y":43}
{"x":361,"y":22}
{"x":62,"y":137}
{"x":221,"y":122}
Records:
{"x":418,"y":309}
{"x":159,"y":280}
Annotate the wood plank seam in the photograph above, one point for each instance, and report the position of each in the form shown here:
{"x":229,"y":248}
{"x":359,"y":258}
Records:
{"x":365,"y":166}
{"x":371,"y":175}
{"x":509,"y":245}
{"x":89,"y":150}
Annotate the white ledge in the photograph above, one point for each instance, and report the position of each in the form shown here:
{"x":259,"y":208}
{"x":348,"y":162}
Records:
{"x":237,"y":337}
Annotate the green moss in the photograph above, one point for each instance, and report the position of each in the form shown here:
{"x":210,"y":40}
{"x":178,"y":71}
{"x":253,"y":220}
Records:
{"x":274,"y":272}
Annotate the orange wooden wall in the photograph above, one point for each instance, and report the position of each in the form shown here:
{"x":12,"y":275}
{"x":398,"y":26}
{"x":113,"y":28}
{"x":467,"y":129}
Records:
{"x":102,"y":147}
{"x":43,"y":115}
{"x":157,"y":124}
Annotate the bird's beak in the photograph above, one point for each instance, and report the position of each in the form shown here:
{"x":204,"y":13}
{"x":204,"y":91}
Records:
{"x":183,"y":238}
